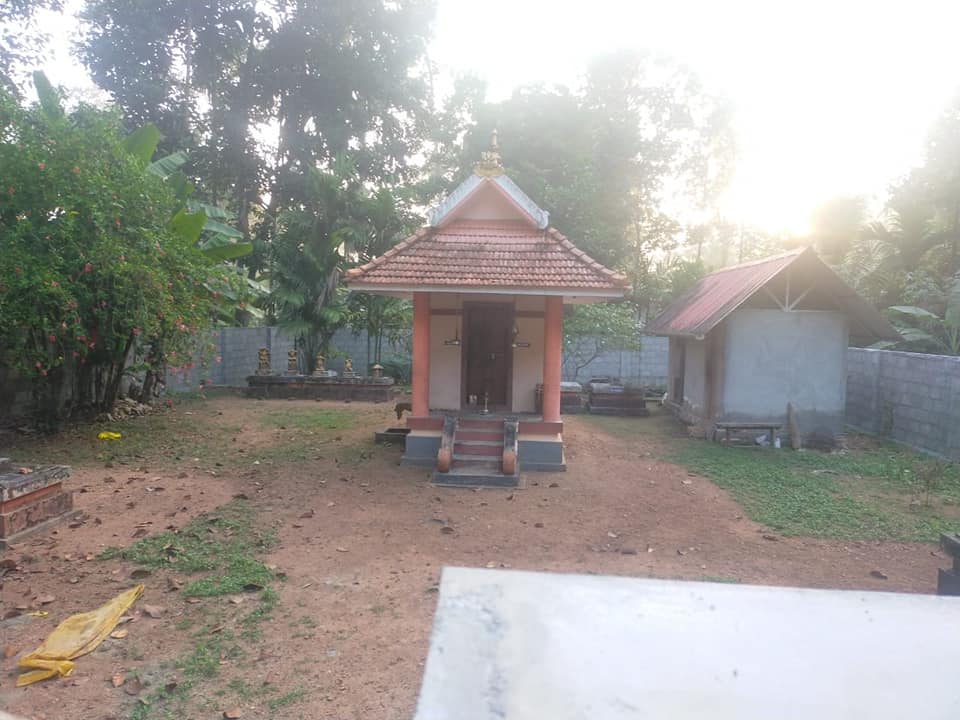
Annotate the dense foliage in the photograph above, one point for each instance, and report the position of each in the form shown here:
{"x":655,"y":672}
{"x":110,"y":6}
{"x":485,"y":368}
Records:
{"x":907,"y":260}
{"x":92,"y":268}
{"x":261,"y":92}
{"x":608,"y":161}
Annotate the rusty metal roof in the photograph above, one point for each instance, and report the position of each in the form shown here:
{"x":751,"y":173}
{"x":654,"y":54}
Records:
{"x":710,"y":301}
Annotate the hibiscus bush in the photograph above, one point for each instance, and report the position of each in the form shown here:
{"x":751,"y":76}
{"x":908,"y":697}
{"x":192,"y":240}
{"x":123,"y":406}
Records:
{"x":92,"y":271}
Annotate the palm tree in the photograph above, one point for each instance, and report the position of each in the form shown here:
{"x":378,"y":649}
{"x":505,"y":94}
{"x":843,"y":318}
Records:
{"x":885,"y":252}
{"x":307,"y":254}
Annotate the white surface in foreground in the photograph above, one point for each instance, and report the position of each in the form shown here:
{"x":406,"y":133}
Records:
{"x":540,"y":646}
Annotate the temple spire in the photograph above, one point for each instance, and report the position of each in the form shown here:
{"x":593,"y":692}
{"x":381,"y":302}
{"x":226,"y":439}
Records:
{"x":490,"y":164}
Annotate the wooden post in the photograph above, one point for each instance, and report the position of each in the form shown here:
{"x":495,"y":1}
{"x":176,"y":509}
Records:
{"x":552,"y":349}
{"x":420,"y":370}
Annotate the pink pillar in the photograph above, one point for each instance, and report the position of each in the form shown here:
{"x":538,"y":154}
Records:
{"x":552,"y":346}
{"x":420,"y":371}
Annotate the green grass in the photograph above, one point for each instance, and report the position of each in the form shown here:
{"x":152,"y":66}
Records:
{"x":223,"y":543}
{"x":295,"y":695}
{"x":301,"y":418}
{"x":162,"y":439}
{"x":879,"y":491}
{"x":194,"y":428}
{"x":225,"y":546}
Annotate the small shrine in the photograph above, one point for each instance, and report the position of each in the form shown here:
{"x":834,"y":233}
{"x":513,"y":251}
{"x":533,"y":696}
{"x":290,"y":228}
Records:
{"x":488,"y":277}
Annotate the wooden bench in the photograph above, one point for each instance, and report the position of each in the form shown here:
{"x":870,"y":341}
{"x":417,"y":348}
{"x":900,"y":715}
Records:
{"x":771,"y":428}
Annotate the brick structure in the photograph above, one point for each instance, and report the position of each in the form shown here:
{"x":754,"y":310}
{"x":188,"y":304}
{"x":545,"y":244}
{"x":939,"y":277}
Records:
{"x":31,"y":501}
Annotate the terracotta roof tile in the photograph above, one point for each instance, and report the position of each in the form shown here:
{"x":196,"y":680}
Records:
{"x":487,"y":254}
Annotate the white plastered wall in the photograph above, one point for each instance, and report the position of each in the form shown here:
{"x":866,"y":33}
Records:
{"x":445,"y":360}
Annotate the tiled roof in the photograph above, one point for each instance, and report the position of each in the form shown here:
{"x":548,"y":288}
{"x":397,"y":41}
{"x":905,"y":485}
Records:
{"x":487,"y":254}
{"x":706,"y":304}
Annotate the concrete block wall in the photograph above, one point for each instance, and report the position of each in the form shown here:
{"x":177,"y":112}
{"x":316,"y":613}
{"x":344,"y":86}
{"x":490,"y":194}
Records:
{"x":908,"y":397}
{"x":237,"y":348}
{"x":648,"y":366}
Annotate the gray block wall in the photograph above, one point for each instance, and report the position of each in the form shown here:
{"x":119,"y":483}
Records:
{"x":237,"y":348}
{"x":908,"y":397}
{"x":648,"y":366}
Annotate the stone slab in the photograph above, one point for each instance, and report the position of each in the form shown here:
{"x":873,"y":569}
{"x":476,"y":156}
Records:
{"x":14,"y":485}
{"x":537,"y":646}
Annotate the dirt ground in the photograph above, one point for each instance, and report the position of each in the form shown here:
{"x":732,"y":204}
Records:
{"x":362,"y":544}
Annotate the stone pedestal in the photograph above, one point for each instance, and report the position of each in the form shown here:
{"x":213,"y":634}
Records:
{"x":32,"y":502}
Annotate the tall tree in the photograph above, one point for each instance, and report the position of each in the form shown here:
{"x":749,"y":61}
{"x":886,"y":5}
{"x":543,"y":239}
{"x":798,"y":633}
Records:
{"x":607,"y":160}
{"x":263,"y":92}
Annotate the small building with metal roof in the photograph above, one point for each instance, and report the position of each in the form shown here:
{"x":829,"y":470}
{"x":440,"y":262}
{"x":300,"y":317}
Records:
{"x":747,"y":340}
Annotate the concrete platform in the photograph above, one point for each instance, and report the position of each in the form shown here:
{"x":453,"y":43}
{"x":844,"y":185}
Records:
{"x":541,"y":646}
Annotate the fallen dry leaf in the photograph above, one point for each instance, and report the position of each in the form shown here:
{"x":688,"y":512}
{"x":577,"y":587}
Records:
{"x":118,"y":679}
{"x":154,"y":611}
{"x":233,"y":713}
{"x":9,"y":651}
{"x":342,"y":549}
{"x":45,"y":599}
{"x":119,"y":633}
{"x":134,"y":687}
{"x":236,"y":599}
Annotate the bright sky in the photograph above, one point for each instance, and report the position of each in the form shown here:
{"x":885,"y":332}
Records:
{"x":832,"y":96}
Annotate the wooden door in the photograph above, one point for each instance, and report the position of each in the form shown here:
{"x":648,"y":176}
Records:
{"x":487,"y":338}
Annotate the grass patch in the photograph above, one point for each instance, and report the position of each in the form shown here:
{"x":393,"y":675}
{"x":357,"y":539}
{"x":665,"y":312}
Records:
{"x":876,"y":490}
{"x":295,"y":695}
{"x":188,"y":429}
{"x":223,"y":543}
{"x":251,"y":623}
{"x":305,"y":418}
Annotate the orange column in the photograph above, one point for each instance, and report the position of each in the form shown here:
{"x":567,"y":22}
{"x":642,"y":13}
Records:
{"x":552,"y":347}
{"x":420,"y":371}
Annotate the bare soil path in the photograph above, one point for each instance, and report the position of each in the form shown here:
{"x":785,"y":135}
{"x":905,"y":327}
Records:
{"x":361,"y":544}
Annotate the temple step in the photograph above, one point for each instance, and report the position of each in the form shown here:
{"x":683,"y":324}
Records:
{"x":491,"y":425}
{"x":481,"y":435}
{"x":475,"y":477}
{"x":478,"y":447}
{"x":477,"y":454}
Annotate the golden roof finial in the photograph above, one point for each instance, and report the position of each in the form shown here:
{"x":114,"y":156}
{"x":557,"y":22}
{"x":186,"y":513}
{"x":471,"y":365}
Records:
{"x":490,"y":164}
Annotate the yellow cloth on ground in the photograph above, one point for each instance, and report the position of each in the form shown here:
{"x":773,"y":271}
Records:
{"x":75,"y":636}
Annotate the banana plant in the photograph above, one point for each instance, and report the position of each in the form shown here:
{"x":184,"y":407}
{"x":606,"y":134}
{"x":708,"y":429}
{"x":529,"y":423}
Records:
{"x":207,"y":225}
{"x":924,"y":331}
